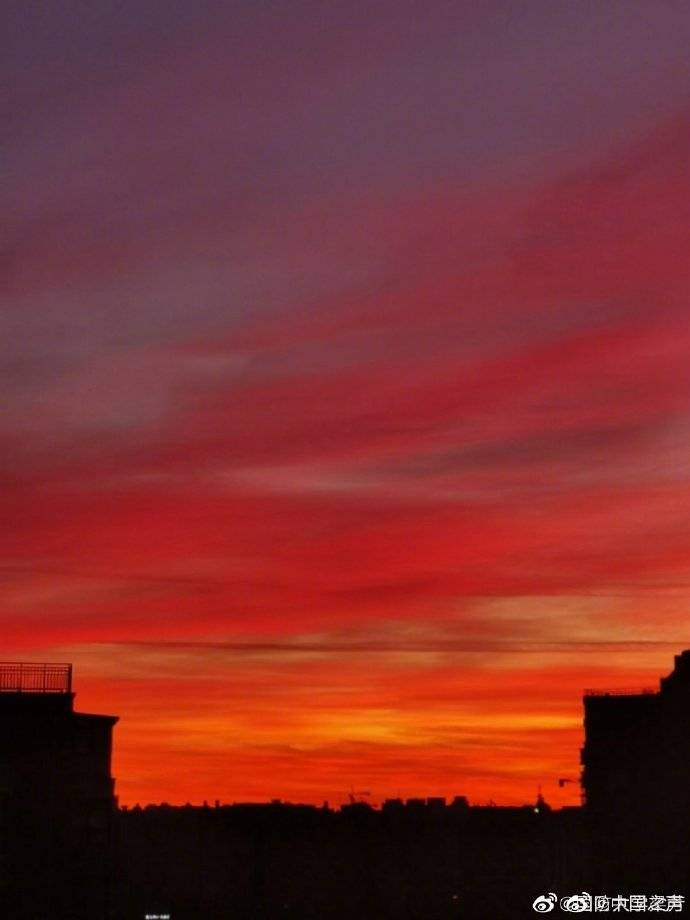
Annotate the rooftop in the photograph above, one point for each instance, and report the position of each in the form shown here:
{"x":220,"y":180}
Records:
{"x":622,"y":691}
{"x":35,"y":677}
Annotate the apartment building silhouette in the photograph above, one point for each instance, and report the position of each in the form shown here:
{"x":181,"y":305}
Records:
{"x":636,"y":755}
{"x":57,"y":799}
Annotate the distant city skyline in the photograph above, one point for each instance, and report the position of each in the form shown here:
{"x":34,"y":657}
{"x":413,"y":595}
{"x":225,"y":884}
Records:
{"x":345,"y":428}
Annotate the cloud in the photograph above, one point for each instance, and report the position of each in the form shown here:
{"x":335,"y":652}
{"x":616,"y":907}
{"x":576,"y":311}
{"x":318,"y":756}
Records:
{"x":489,"y":728}
{"x":345,"y":375}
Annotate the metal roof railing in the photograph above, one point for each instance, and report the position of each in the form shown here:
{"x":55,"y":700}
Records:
{"x":623,"y":691}
{"x":35,"y":677}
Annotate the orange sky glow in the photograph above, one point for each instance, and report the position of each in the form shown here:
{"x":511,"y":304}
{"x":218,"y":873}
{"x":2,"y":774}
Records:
{"x":345,"y":427}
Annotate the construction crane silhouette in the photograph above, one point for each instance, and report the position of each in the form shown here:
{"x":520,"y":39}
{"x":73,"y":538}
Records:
{"x":563,"y":780}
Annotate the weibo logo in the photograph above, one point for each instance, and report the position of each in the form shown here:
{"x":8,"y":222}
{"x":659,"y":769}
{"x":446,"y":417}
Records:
{"x":577,"y":903}
{"x":545,"y":903}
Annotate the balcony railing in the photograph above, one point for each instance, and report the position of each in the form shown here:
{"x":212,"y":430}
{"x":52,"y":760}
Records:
{"x":32,"y":677}
{"x":623,"y":691}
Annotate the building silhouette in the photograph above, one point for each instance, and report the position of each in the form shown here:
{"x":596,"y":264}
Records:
{"x":636,"y":756}
{"x":57,"y":802}
{"x":67,"y":853}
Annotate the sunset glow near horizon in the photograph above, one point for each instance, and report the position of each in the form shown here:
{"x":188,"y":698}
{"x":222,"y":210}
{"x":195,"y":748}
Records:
{"x":346,"y":383}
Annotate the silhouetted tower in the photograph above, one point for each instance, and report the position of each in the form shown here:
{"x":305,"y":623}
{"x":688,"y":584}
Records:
{"x":57,"y":798}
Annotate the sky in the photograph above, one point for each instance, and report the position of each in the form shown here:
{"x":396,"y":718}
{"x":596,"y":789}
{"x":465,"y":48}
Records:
{"x":344,"y":354}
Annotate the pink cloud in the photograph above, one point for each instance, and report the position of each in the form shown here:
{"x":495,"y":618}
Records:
{"x":426,"y":405}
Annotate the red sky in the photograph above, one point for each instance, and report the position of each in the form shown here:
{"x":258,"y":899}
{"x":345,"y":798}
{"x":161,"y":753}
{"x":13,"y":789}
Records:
{"x":345,"y":355}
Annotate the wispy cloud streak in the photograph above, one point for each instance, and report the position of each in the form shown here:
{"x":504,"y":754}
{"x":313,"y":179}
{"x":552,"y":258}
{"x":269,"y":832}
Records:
{"x":344,"y":362}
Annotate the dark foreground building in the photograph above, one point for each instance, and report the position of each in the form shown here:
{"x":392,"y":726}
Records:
{"x":67,"y":854}
{"x":422,"y":861}
{"x":636,"y":756}
{"x":57,"y":803}
{"x":636,"y":779}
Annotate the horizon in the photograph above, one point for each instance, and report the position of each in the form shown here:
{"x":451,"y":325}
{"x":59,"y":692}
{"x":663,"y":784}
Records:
{"x":59,"y":683}
{"x":345,"y":426}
